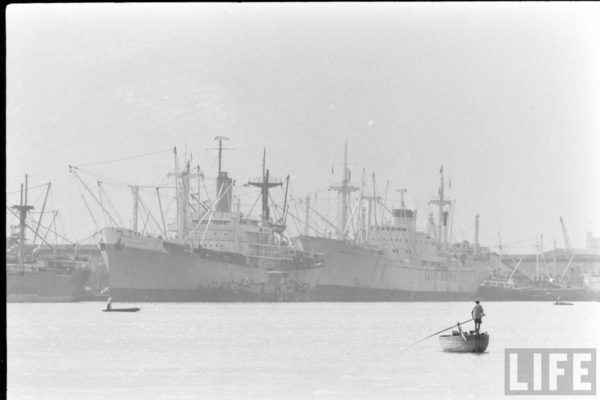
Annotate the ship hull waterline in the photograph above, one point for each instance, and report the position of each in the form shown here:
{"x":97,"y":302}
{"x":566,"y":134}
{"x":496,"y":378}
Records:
{"x":140,"y":275}
{"x":356,"y":274}
{"x":45,"y":286}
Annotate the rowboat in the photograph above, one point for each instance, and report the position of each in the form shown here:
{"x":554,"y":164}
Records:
{"x":562,"y":303}
{"x":462,"y":342}
{"x":133,"y":309}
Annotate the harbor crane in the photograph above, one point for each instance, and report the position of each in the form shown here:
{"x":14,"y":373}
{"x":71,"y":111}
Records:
{"x":568,"y":246}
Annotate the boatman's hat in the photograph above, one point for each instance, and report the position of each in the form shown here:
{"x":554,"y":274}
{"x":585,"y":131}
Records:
{"x":477,"y":301}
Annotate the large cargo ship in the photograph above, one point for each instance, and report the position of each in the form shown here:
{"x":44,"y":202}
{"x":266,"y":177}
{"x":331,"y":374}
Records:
{"x":527,"y":282}
{"x":216,"y":255}
{"x":394,"y":261}
{"x":39,"y":276}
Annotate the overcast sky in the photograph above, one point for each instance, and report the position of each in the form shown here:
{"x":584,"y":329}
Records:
{"x":505,"y":95}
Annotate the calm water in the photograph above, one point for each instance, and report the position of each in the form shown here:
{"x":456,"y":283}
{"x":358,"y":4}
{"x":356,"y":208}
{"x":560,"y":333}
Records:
{"x":274,"y":351}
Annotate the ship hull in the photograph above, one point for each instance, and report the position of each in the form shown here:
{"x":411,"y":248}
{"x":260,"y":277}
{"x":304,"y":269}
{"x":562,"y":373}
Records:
{"x":141,"y":270}
{"x":202,"y":295}
{"x":44,"y":286}
{"x":349,"y":294}
{"x":486,"y":293}
{"x":355,"y":273}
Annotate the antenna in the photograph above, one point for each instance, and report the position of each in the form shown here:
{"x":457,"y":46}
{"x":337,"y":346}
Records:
{"x":220,"y":139}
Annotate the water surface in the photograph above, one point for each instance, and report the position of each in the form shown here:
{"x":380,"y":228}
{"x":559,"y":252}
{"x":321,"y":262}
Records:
{"x":274,"y":351}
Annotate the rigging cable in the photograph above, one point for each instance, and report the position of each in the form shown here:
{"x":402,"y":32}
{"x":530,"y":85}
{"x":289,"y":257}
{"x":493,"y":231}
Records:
{"x":125,"y":158}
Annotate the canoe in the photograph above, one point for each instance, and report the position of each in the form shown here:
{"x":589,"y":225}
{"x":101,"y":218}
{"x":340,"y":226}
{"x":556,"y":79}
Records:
{"x":466,"y":343}
{"x":562,"y":303}
{"x":133,"y":309}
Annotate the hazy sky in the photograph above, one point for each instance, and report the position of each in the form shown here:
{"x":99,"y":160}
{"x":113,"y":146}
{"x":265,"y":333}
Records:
{"x":505,"y":95}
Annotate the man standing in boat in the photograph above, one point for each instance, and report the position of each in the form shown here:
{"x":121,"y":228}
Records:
{"x":477,"y":314}
{"x":109,"y":304}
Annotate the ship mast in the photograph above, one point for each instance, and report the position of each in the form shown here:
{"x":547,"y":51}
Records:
{"x":442,"y":215}
{"x":224,"y":183}
{"x":182,"y":193}
{"x":344,"y":190}
{"x":371,"y":210}
{"x":402,"y":204}
{"x":220,"y":139}
{"x":37,"y":229}
{"x":177,"y":195}
{"x":363,"y":223}
{"x":22,"y":208}
{"x":264,"y":186}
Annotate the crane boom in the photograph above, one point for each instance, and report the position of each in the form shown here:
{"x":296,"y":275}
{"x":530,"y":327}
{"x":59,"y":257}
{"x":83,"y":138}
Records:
{"x":568,"y":245}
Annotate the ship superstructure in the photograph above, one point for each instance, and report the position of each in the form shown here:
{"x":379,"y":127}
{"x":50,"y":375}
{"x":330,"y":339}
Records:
{"x":217,"y":254}
{"x":393,"y":261}
{"x":38,"y":275}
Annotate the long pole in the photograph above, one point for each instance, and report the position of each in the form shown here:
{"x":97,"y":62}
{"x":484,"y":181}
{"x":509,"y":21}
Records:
{"x":441,"y":221}
{"x":342,"y":232}
{"x":41,"y":214}
{"x":73,"y":169}
{"x":437,"y":333}
{"x":162,"y":215}
{"x":363,"y":229}
{"x":285,"y":205}
{"x":237,"y":224}
{"x":25,"y":225}
{"x":136,"y":193}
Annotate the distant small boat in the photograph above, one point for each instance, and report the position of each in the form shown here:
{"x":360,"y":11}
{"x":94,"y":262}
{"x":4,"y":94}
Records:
{"x":461,"y":342}
{"x":133,"y":309}
{"x":562,"y":303}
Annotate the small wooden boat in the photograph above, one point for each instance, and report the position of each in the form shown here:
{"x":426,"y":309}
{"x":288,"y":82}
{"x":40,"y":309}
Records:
{"x":562,"y":303}
{"x":462,"y":342}
{"x":133,"y":309}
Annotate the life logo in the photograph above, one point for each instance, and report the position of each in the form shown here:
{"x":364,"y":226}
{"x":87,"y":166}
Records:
{"x":530,"y":371}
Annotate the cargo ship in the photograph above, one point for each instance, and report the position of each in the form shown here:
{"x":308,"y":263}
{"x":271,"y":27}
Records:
{"x":394,"y":261}
{"x":56,"y":279}
{"x":217,"y":254}
{"x":39,"y":276}
{"x":501,"y":290}
{"x":527,"y":282}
